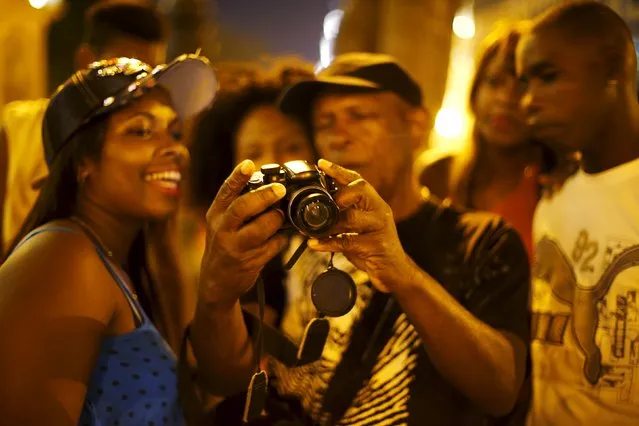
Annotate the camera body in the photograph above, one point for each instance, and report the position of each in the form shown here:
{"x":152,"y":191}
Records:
{"x":308,"y":205}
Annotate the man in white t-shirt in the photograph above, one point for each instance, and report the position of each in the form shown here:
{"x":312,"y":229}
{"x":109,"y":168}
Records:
{"x":579,"y":66}
{"x":113,"y":28}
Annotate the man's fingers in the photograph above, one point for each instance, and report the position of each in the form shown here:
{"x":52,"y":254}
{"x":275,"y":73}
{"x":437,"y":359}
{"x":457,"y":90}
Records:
{"x":340,"y":174}
{"x":256,"y":232}
{"x":358,"y":194}
{"x":232,"y":187}
{"x":355,"y":191}
{"x":252,"y":204}
{"x":337,"y":244}
{"x":272,"y":247}
{"x":357,"y":221}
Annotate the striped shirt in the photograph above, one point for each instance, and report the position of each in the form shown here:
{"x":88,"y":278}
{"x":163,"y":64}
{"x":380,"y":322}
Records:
{"x":476,"y":257}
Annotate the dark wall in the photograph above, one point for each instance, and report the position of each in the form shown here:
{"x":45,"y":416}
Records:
{"x":247,"y":29}
{"x":271,"y":27}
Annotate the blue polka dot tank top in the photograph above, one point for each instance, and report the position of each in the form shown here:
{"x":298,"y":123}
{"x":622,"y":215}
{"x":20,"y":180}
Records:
{"x":134,"y":382}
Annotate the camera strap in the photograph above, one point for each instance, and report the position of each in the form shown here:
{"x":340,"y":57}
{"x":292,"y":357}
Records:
{"x":258,"y":387}
{"x":274,"y":342}
{"x":281,"y":348}
{"x":329,"y":286}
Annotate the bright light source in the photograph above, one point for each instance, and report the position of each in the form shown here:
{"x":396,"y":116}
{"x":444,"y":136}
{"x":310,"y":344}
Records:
{"x":326,"y":52}
{"x":464,"y":27}
{"x":38,"y":4}
{"x":332,"y":21}
{"x":449,"y":122}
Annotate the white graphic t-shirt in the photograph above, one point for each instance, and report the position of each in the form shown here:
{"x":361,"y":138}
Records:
{"x":585,"y":302}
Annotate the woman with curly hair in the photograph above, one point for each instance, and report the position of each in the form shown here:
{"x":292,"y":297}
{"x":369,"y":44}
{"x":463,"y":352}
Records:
{"x":245,"y":123}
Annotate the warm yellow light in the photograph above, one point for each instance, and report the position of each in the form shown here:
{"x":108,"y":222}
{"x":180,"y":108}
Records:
{"x":449,"y":123}
{"x":38,"y":4}
{"x":464,"y":27}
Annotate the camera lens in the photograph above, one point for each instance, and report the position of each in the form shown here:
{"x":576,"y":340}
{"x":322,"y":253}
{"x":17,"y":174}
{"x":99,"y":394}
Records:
{"x":316,"y":215}
{"x":312,"y":211}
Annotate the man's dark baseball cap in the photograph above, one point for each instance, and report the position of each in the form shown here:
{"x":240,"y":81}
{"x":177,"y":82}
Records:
{"x":365,"y":72}
{"x":114,"y":83}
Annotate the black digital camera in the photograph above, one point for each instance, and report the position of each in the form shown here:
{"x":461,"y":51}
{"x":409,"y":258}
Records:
{"x":308,"y":205}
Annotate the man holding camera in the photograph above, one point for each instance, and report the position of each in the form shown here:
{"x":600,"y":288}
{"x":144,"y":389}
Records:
{"x":439,"y":331}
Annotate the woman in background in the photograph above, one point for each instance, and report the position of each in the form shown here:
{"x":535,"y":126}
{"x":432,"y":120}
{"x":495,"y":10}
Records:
{"x":245,"y":123}
{"x":503,"y":169}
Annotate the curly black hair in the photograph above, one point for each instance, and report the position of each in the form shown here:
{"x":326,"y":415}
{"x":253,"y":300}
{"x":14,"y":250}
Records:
{"x":214,"y":134}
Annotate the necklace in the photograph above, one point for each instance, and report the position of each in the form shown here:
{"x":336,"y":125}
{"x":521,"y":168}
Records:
{"x":92,"y":234}
{"x":86,"y":228}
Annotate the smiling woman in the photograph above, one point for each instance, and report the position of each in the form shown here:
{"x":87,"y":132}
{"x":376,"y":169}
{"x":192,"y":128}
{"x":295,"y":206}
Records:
{"x":142,"y":160}
{"x":113,"y":142}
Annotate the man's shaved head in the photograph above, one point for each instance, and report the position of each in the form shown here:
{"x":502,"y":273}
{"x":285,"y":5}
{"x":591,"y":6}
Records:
{"x":579,"y":67}
{"x":598,"y":25}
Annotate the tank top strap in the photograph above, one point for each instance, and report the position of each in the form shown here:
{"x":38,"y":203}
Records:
{"x":138,"y":313}
{"x":136,"y":308}
{"x":41,"y":230}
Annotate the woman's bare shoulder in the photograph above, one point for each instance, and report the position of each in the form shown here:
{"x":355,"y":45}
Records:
{"x":60,"y":265}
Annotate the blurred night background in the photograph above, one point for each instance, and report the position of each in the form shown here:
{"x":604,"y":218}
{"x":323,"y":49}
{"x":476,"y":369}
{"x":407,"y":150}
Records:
{"x":434,"y":39}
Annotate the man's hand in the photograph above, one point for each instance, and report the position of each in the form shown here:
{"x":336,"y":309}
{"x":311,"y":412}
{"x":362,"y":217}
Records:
{"x":366,"y":231}
{"x":240,"y":238}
